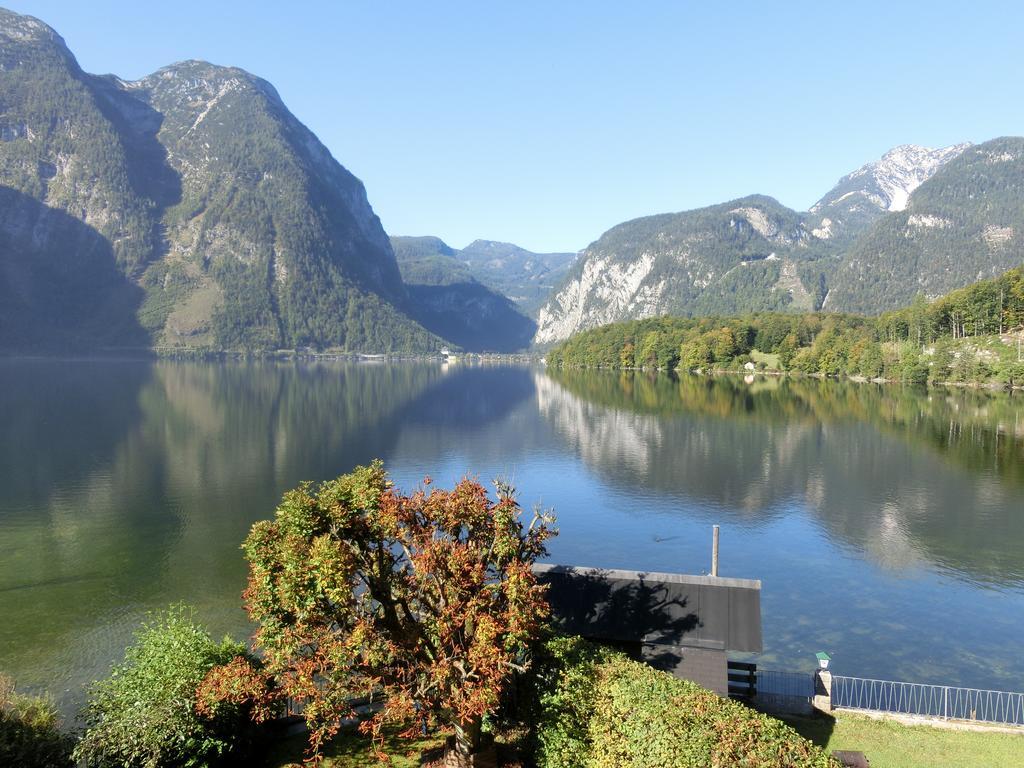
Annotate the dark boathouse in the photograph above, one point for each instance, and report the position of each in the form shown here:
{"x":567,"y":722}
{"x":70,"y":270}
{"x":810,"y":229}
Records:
{"x":681,"y":624}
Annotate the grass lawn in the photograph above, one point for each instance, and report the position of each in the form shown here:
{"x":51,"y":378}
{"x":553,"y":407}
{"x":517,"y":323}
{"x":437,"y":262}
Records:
{"x":771,"y":361}
{"x":351,"y":750}
{"x":888,"y":744}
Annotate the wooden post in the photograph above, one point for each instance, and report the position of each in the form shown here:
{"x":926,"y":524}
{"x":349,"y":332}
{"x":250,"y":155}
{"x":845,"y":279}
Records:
{"x":714,"y":550}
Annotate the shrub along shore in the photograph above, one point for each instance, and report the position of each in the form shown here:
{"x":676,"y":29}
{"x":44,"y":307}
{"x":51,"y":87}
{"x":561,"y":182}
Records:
{"x":580,"y":705}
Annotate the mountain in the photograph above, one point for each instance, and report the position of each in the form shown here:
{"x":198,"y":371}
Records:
{"x":451,"y":303}
{"x":860,"y":198}
{"x":752,"y":253}
{"x":525,"y":277}
{"x":429,"y":261}
{"x":73,"y":219}
{"x":886,"y":184}
{"x":917,"y":220}
{"x":188,"y":208}
{"x":965,"y":223}
{"x":191,"y":209}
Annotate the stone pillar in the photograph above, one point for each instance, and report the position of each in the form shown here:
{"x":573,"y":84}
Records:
{"x":822,"y":700}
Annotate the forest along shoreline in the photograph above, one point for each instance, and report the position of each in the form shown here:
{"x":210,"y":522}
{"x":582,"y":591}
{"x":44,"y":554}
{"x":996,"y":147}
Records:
{"x":972,"y":336}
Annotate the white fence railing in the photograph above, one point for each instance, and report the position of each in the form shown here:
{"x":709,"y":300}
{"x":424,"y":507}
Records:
{"x":938,"y":701}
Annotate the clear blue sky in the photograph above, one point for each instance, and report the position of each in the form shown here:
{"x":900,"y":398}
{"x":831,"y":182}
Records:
{"x":545,"y":123}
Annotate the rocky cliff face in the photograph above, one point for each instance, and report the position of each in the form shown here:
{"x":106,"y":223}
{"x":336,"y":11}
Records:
{"x":886,"y":184}
{"x":750,"y":254}
{"x":229,"y":223}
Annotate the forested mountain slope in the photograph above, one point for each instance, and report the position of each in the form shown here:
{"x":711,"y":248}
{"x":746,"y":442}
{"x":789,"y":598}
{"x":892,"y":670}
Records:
{"x":973,"y":334}
{"x":963,"y":224}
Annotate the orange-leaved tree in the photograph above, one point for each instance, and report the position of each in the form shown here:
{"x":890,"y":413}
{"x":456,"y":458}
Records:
{"x":426,"y":601}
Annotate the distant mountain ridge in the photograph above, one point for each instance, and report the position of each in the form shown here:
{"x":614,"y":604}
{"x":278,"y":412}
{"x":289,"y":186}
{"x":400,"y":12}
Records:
{"x":918,"y":220}
{"x":452,"y":303}
{"x":525,"y":277}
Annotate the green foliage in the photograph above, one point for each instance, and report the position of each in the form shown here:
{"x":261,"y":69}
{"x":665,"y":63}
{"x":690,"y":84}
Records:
{"x":166,"y":285}
{"x":144,"y":714}
{"x":595,"y":708}
{"x":750,"y":286}
{"x":692,"y":343}
{"x":944,"y":340}
{"x":30,"y":735}
{"x":562,"y":695}
{"x":246,"y":319}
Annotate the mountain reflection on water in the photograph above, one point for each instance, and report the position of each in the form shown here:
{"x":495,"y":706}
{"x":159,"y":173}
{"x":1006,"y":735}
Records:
{"x":947,"y":491}
{"x":129,"y":485}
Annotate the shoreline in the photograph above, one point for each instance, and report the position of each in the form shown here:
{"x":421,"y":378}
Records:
{"x":992,"y":386}
{"x":525,"y":358}
{"x":197,"y":355}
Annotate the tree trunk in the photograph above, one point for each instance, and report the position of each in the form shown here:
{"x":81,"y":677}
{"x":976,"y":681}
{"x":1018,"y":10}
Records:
{"x":467,"y":736}
{"x":464,"y":749}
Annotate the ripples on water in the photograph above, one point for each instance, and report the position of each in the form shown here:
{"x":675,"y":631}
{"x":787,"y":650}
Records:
{"x":886,"y":524}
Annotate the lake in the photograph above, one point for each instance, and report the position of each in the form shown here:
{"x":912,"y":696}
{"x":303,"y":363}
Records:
{"x":886,"y":523}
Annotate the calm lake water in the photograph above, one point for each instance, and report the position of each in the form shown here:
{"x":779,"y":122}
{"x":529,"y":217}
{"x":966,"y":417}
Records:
{"x":886,"y":524}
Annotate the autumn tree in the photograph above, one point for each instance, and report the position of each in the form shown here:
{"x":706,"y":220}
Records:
{"x":426,"y":602}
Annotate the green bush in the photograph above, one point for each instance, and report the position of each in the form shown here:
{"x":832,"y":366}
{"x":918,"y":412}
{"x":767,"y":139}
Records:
{"x":144,"y":715}
{"x":30,"y":735}
{"x":595,"y":708}
{"x":1012,"y":374}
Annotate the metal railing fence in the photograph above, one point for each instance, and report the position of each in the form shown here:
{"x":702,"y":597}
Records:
{"x":789,"y":692}
{"x":938,"y":701}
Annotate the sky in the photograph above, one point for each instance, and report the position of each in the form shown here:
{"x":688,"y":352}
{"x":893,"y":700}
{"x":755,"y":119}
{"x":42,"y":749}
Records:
{"x":546,"y":123}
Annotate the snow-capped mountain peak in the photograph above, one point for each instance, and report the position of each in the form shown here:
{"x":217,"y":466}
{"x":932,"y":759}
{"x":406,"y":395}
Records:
{"x":888,"y":182}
